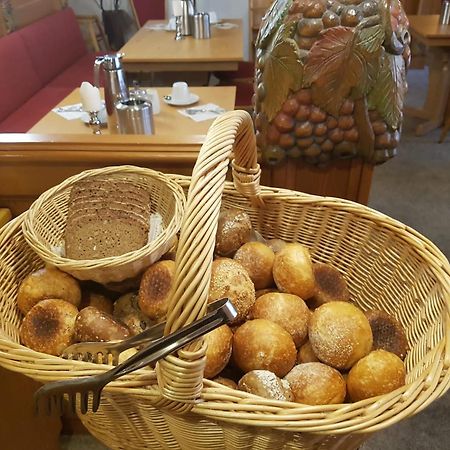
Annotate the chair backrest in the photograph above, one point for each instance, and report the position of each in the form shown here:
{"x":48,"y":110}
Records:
{"x":256,"y":11}
{"x":144,"y":10}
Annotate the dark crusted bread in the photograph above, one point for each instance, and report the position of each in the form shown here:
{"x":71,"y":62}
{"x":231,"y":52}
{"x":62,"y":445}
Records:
{"x":106,"y":217}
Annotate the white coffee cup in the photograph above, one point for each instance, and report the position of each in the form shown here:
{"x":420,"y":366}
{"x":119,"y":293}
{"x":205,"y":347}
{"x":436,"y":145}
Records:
{"x":154,"y":99}
{"x":180,"y":92}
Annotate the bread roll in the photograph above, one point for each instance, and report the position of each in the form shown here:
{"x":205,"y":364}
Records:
{"x":49,"y":326}
{"x":266,"y":384}
{"x":219,"y":349}
{"x":127,"y":311}
{"x":155,"y":287}
{"x":233,"y":230}
{"x":262,"y":344}
{"x":229,"y":279}
{"x":257,"y":259}
{"x":93,"y":325}
{"x":330,"y":286}
{"x":276,"y":244}
{"x":293,"y":272}
{"x":340,"y":334}
{"x":287,"y":310}
{"x":316,"y":384}
{"x":306,"y":354}
{"x":97,"y":300}
{"x":228,"y":382}
{"x":47,"y":283}
{"x":380,"y":372}
{"x":262,"y":292}
{"x":388,"y":333}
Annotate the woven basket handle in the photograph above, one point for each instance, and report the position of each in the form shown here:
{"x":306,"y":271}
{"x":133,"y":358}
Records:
{"x":180,"y":377}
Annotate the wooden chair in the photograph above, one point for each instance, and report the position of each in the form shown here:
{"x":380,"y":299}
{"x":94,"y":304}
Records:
{"x":144,"y":10}
{"x":94,"y":32}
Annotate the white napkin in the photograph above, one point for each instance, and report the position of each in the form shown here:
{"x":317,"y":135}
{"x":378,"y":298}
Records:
{"x":70,"y":112}
{"x":163,"y":26}
{"x":226,"y":25}
{"x":202,"y":112}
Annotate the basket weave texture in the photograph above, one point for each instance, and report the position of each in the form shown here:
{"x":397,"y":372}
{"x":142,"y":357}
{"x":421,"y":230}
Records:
{"x":387,"y":266}
{"x":45,"y":221}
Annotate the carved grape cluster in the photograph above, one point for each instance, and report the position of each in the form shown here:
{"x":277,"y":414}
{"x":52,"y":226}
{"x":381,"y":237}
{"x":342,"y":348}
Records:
{"x":293,"y":117}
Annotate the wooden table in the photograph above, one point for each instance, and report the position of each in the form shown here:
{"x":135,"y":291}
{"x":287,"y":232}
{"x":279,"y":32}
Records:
{"x":169,"y":123}
{"x":157,"y":51}
{"x":427,"y":31}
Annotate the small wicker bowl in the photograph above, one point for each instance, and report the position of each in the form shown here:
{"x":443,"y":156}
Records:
{"x":45,"y":222}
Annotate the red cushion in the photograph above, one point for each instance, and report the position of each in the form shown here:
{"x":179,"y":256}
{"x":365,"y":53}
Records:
{"x":149,"y":10}
{"x":73,"y":76}
{"x":53,"y":43}
{"x":18,"y":79}
{"x":21,"y":120}
{"x":244,"y":94}
{"x":246,"y":69}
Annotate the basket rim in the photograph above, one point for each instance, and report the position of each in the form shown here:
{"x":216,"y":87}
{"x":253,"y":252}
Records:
{"x":111,"y":261}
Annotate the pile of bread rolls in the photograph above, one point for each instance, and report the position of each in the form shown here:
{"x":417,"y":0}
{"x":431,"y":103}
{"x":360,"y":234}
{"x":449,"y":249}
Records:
{"x":297,"y":337}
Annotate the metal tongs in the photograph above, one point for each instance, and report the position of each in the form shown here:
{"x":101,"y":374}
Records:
{"x":50,"y":397}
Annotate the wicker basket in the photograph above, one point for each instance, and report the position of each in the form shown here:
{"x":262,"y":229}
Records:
{"x":44,"y":225}
{"x":387,"y":265}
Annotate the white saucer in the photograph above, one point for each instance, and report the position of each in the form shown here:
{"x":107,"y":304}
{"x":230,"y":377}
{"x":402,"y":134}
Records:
{"x":101,"y":115}
{"x":193,"y":98}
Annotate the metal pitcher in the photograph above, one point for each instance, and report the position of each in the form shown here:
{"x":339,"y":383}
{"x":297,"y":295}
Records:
{"x":115,"y":84}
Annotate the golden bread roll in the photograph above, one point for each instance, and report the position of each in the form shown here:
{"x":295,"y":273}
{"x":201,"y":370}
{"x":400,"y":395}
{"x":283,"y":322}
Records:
{"x":287,"y":310}
{"x":229,"y":279}
{"x":262,"y":292}
{"x":155,"y":287}
{"x":306,"y":354}
{"x":228,"y":382}
{"x":93,"y":325}
{"x":233,"y":230}
{"x":293,"y":272}
{"x":388,"y":333}
{"x":47,"y":283}
{"x":262,"y":344}
{"x":97,"y":300}
{"x":49,"y":326}
{"x":127,"y":311}
{"x":315,"y":383}
{"x":380,"y":372}
{"x":122,"y":287}
{"x":339,"y":334}
{"x":219,"y":349}
{"x":257,"y":259}
{"x":266,"y":384}
{"x":276,"y":244}
{"x":330,"y":286}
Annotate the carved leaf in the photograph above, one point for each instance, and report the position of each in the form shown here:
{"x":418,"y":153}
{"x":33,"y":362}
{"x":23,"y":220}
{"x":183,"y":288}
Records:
{"x":271,"y":21}
{"x":283,"y":71}
{"x":388,"y":93}
{"x":370,"y":39}
{"x":334,"y":67}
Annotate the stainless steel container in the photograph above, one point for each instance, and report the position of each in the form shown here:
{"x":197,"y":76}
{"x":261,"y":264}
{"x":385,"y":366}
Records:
{"x":135,"y":116}
{"x":444,"y":18}
{"x":202,"y":28}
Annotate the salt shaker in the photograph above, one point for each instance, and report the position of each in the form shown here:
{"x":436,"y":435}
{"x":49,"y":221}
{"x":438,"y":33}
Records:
{"x":444,"y":18}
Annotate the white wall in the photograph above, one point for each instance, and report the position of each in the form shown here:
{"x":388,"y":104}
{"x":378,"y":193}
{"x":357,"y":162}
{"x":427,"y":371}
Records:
{"x":231,"y":9}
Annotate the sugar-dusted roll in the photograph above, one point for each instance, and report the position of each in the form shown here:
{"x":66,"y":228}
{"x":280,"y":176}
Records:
{"x":233,"y":230}
{"x":266,"y":384}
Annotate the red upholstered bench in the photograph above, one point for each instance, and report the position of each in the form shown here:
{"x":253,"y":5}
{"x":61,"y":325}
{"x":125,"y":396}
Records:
{"x":42,"y":63}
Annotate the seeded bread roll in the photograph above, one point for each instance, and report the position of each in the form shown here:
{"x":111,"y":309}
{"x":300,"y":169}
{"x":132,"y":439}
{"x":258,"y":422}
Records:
{"x":266,"y":384}
{"x":287,"y":310}
{"x":316,"y":384}
{"x":388,"y":333}
{"x":93,"y":325}
{"x":330,"y":286}
{"x":262,"y":344}
{"x":155,"y":287}
{"x":230,"y":279}
{"x":293,"y":272}
{"x":257,"y":258}
{"x":339,"y":334}
{"x":233,"y":230}
{"x":49,"y":326}
{"x":380,"y":372}
{"x":127,"y":311}
{"x":47,"y":283}
{"x":219,"y":349}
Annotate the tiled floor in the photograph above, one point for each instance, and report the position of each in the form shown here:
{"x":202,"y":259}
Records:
{"x":415,"y":188}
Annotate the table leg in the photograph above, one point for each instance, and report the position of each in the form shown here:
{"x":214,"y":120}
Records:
{"x":438,"y":89}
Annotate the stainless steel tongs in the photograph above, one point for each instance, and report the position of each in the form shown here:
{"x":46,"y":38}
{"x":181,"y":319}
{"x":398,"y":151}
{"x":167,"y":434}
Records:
{"x":50,"y":397}
{"x":108,"y":352}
